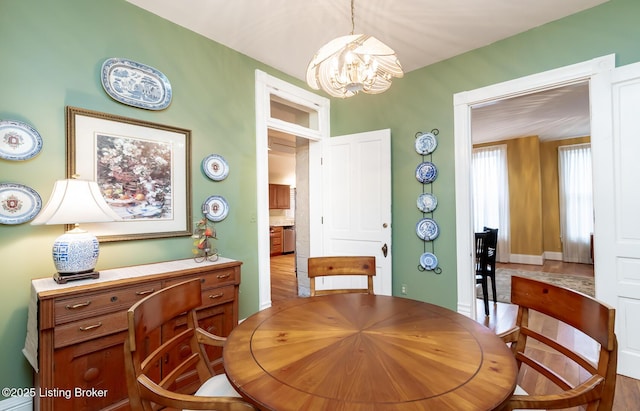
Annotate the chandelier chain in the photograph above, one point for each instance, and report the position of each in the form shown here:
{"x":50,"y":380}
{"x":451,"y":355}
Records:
{"x":353,"y":21}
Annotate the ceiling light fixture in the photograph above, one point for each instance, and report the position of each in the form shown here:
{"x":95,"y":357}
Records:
{"x":350,"y":64}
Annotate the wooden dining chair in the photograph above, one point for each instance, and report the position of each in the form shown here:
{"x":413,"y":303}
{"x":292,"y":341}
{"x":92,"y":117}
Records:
{"x":572,"y":379}
{"x":157,"y":366}
{"x":341,"y":266}
{"x":481,"y":263}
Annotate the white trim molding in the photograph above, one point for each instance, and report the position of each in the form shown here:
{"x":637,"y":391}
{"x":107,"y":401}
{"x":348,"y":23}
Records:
{"x":462,"y":104}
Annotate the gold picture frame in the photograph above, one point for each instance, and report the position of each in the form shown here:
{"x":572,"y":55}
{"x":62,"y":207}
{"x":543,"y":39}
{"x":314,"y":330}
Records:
{"x":143,"y":170}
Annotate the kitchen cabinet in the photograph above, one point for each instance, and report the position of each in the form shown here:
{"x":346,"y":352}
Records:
{"x":80,"y":327}
{"x":275,"y":234}
{"x":279,"y":196}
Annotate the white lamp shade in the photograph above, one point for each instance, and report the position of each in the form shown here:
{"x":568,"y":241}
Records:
{"x":75,"y":201}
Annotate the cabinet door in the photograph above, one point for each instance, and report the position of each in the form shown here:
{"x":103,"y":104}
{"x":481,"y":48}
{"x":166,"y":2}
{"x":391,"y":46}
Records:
{"x":273,"y":196}
{"x":276,"y":240}
{"x":96,"y":366}
{"x":283,"y":197}
{"x":279,"y":196}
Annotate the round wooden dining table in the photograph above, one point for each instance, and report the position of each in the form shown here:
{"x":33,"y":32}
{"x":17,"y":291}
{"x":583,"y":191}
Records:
{"x":361,"y":352}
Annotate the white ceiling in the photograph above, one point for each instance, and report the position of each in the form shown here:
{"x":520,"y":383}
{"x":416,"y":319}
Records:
{"x":285,"y":34}
{"x":551,"y":115}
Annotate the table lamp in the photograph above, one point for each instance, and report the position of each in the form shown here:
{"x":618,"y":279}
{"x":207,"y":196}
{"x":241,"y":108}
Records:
{"x":75,"y":201}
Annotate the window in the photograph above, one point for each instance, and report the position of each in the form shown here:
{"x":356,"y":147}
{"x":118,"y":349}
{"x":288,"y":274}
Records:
{"x":491,"y":194}
{"x":576,"y":202}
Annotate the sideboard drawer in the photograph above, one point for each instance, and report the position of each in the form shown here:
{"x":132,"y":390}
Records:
{"x":89,"y":304}
{"x":212,"y":279}
{"x":218,"y":296}
{"x":89,"y":328}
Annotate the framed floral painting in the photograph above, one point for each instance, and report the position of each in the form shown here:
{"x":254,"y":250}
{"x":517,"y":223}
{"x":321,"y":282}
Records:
{"x":142,"y":169}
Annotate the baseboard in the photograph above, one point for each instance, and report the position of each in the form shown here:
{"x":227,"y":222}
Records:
{"x":553,"y":255}
{"x":16,"y":404}
{"x":527,"y":259}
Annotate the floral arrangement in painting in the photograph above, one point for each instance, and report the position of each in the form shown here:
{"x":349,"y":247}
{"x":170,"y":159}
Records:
{"x":135,"y":176}
{"x":202,"y":247}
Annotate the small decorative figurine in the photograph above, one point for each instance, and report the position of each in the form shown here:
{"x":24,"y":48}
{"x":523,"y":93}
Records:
{"x":202,"y":244}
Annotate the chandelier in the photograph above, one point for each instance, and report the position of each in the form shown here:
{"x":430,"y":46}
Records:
{"x":350,"y":64}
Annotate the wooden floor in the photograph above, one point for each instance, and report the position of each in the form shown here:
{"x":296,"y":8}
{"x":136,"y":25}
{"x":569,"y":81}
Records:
{"x":501,"y":318}
{"x":553,"y":267}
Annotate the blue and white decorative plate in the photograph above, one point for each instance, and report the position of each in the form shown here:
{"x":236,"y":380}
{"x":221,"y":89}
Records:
{"x":427,"y":202}
{"x":18,"y":203}
{"x":215,"y":208}
{"x":426,"y":172}
{"x":426,"y":143}
{"x":427,"y":229}
{"x":18,"y":141}
{"x":135,"y":84}
{"x":215,"y":167}
{"x":428,"y":261}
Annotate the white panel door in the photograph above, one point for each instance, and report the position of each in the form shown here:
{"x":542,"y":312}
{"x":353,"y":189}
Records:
{"x":616,"y":169}
{"x":356,"y":172}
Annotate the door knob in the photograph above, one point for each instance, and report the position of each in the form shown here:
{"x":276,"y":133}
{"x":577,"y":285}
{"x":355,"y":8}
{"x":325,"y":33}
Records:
{"x":385,"y":249}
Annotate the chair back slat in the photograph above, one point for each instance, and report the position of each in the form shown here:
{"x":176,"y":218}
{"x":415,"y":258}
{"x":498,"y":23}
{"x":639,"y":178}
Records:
{"x":160,"y":307}
{"x":481,"y":251}
{"x":585,"y":313}
{"x":341,"y":266}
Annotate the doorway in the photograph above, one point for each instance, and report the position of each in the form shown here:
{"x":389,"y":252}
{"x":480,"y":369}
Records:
{"x":517,"y":178}
{"x":463,"y":104}
{"x":313,"y":126}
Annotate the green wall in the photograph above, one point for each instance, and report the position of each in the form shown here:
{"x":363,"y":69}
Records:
{"x":423,"y":100}
{"x":52,"y":52}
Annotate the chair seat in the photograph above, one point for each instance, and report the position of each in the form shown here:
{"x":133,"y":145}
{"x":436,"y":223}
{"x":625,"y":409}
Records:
{"x":217,"y":386}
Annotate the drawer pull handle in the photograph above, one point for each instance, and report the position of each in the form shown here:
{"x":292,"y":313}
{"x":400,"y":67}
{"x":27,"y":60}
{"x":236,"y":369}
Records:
{"x":76,"y":306}
{"x":145,"y":292}
{"x":221,"y":276}
{"x":90,"y":327}
{"x":214,"y":296}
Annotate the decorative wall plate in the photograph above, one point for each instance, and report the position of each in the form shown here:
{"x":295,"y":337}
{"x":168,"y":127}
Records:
{"x":215,"y":208}
{"x":18,"y":141}
{"x":427,"y":202}
{"x":428,"y":261}
{"x":426,"y":143}
{"x":18,"y":203}
{"x":427,"y":229}
{"x":426,"y":172}
{"x":215,"y":167}
{"x":136,"y":84}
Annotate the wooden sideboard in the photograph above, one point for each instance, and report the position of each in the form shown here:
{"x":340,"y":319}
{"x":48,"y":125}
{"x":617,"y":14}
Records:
{"x":75,"y":341}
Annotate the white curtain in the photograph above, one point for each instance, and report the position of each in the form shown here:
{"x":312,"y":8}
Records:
{"x":491,"y":194}
{"x":576,"y":202}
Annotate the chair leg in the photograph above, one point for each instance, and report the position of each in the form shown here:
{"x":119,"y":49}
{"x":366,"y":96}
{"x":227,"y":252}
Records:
{"x":493,"y":287}
{"x":485,"y":294}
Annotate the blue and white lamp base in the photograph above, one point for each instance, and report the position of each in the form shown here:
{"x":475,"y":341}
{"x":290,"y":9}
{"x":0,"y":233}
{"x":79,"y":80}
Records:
{"x":75,"y":254}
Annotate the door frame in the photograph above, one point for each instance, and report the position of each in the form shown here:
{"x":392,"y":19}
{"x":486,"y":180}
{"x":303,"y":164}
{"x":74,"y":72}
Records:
{"x":463,"y":103}
{"x":265,"y":86}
